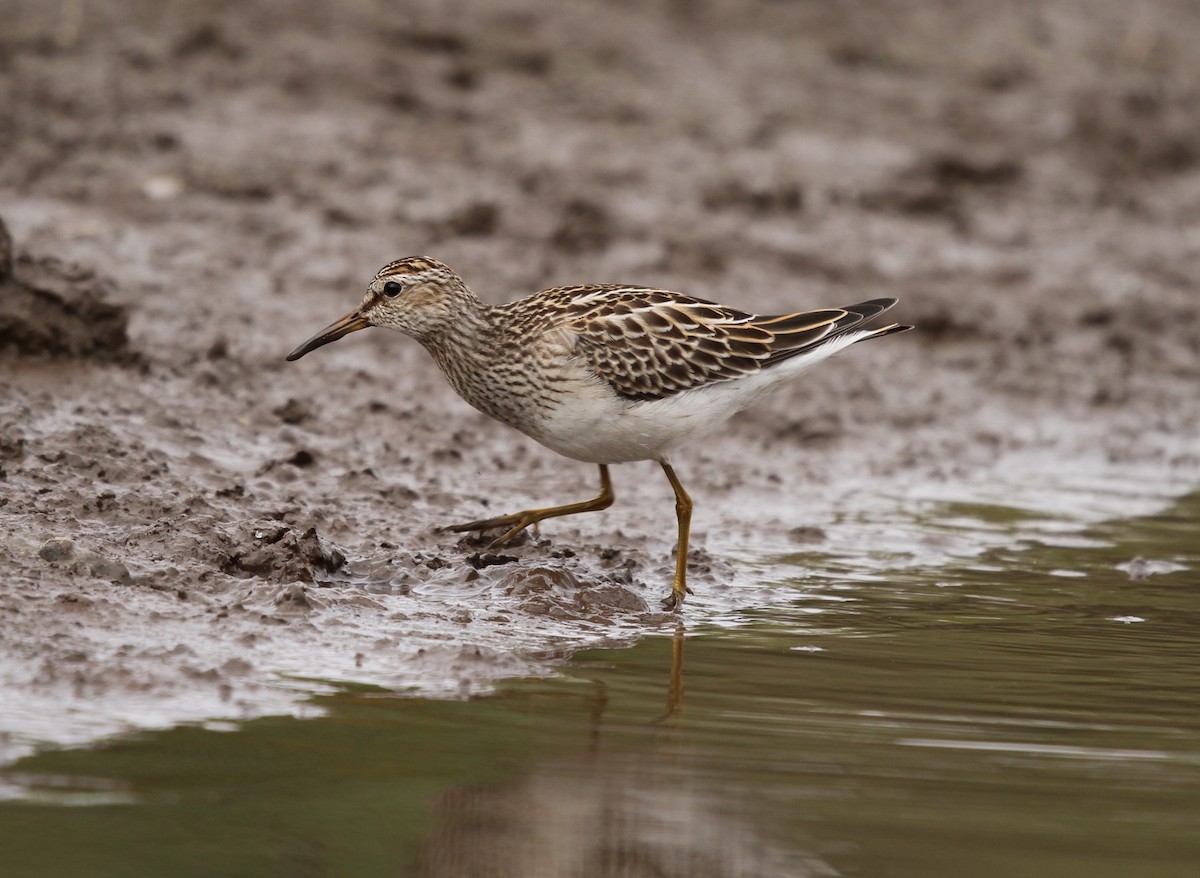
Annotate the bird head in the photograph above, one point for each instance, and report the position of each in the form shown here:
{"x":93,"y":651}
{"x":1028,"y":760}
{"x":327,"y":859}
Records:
{"x":418,"y":296}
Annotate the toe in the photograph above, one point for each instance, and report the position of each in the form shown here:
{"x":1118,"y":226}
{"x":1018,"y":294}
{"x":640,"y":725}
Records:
{"x":481,"y":525}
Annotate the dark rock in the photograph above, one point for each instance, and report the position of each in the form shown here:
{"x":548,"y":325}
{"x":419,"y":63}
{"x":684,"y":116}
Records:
{"x":293,"y":411}
{"x":480,"y":561}
{"x":57,"y":550}
{"x":62,"y":551}
{"x":302,"y":458}
{"x":807,"y":534}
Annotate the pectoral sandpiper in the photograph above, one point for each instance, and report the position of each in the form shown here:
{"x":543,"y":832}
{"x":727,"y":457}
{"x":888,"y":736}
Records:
{"x":602,"y":373}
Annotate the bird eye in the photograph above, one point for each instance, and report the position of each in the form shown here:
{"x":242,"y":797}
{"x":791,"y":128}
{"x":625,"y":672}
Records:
{"x":391,"y":289}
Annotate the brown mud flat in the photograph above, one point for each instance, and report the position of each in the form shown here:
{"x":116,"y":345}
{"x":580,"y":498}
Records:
{"x":187,"y":522}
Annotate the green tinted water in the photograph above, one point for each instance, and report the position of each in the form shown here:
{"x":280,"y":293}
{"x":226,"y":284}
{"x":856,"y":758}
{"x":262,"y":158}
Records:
{"x":1035,"y":711}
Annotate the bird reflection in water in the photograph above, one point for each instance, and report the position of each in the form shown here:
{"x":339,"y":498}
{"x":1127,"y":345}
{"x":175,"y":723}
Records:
{"x":654,"y":811}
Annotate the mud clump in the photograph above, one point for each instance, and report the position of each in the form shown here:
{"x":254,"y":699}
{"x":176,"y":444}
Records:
{"x":282,"y":554}
{"x":478,"y":219}
{"x":561,"y":594}
{"x":295,"y":597}
{"x":5,"y":252}
{"x":755,"y":197}
{"x":1135,"y":132}
{"x":481,"y":560}
{"x":937,"y":184}
{"x":54,"y":310}
{"x":586,"y":227}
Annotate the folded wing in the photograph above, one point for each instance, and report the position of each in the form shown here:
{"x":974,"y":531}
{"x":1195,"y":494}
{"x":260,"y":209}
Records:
{"x":651,"y":344}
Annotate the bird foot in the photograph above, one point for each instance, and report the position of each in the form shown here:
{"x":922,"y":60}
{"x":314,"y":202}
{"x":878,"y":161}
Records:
{"x":515,"y":524}
{"x":674,"y":601}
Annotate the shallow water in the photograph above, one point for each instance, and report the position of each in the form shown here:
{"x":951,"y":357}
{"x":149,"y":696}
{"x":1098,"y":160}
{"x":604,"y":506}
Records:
{"x":1028,"y":711}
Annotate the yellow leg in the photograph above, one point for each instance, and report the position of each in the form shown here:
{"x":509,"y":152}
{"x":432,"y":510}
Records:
{"x":675,"y":692}
{"x":518,"y":521}
{"x":683,"y":512}
{"x":675,"y":687}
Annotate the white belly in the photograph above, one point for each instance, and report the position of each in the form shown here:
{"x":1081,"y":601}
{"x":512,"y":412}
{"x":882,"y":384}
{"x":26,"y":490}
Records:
{"x":596,"y":426}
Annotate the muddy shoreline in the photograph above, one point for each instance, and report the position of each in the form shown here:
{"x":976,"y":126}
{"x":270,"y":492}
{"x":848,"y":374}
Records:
{"x":190,"y":527}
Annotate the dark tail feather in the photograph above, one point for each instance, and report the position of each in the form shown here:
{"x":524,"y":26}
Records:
{"x":869,"y":309}
{"x":887,"y":330}
{"x":853,"y":317}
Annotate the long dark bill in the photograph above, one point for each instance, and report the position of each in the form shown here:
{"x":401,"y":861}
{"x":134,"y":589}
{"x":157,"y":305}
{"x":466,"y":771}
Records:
{"x":352,"y":322}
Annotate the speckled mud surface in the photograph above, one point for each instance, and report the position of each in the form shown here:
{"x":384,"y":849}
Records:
{"x":191,"y":528}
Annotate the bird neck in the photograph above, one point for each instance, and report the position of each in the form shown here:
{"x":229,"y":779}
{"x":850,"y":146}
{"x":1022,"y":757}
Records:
{"x":465,"y":340}
{"x":469,"y":322}
{"x":476,"y":354}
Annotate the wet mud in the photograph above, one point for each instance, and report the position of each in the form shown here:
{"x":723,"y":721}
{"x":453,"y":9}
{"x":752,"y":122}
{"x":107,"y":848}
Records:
{"x":190,"y":527}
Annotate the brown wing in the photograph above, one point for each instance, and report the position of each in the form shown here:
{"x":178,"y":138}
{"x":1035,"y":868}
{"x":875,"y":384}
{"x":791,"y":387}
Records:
{"x":651,"y":344}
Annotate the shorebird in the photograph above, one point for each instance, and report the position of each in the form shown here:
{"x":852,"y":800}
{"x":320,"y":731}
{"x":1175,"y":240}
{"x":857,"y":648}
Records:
{"x":601,"y":373}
